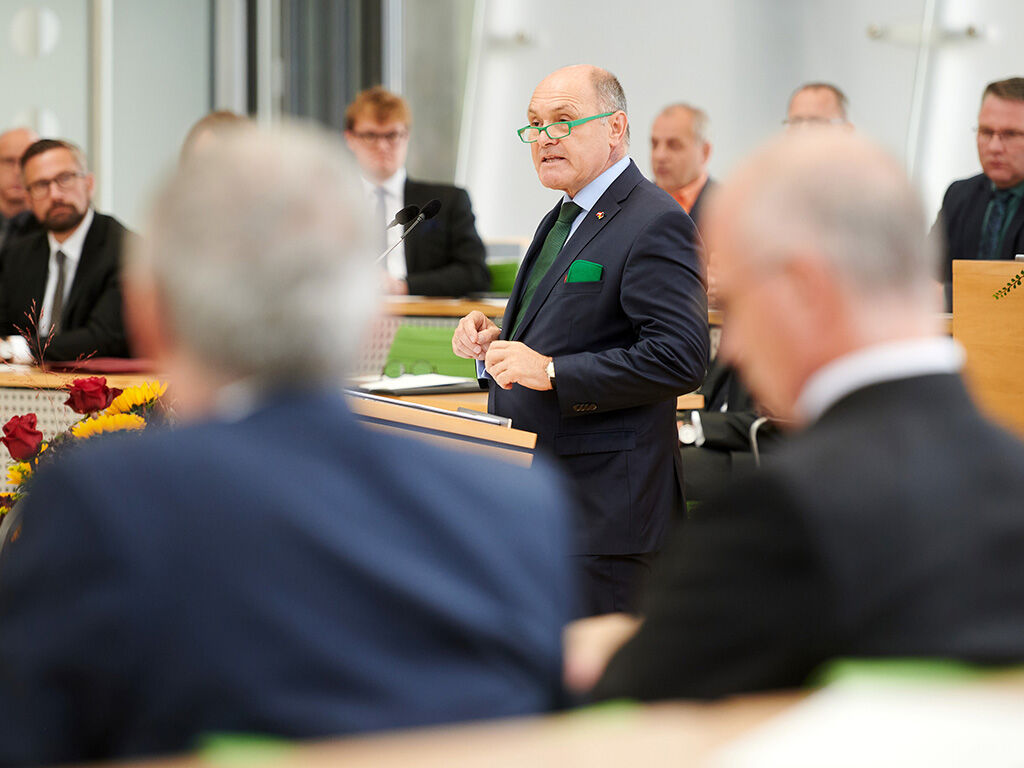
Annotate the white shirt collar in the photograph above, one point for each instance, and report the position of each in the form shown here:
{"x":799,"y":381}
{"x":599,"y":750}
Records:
{"x":873,"y":365}
{"x":394,"y":187}
{"x":587,"y":197}
{"x":72,"y":247}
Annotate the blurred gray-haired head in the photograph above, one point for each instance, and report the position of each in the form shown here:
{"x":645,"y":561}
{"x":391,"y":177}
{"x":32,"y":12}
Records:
{"x":847,"y":200}
{"x":259,"y":255}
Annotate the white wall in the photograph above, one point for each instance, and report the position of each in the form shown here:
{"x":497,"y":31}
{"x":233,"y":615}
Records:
{"x":739,"y":59}
{"x":50,"y":90}
{"x":161,"y":86}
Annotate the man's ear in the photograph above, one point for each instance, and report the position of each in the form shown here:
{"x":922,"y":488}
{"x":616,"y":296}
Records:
{"x":707,"y":152}
{"x":618,"y":123}
{"x":144,"y":315}
{"x":819,"y":292}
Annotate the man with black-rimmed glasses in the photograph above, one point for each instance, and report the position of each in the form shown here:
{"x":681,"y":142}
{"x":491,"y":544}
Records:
{"x":60,"y":296}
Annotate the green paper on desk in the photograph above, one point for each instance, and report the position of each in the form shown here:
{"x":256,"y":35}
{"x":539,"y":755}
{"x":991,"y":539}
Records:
{"x":583,"y":271}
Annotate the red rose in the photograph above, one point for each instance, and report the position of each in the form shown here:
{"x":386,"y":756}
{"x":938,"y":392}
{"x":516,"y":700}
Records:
{"x":21,"y":437}
{"x":90,"y":395}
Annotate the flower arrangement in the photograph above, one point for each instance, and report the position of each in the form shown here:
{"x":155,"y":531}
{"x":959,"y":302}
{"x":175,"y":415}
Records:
{"x":104,"y":409}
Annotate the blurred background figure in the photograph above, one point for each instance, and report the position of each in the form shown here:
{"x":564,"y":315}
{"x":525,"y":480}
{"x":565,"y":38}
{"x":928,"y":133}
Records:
{"x":982,"y":217}
{"x":443,"y":256}
{"x":208,"y":129}
{"x":680,"y":151}
{"x":270,"y":565}
{"x":882,"y":528}
{"x":817,"y":104}
{"x":15,"y":216}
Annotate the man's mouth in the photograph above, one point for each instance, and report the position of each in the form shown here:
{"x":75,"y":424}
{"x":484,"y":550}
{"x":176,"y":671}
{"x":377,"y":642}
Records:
{"x":551,"y":159}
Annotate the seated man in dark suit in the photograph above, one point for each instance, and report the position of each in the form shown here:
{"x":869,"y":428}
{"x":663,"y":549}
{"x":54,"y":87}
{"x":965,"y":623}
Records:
{"x":443,"y":256}
{"x":890,"y":525}
{"x":60,"y":294}
{"x":272,"y":565}
{"x":982,"y":217}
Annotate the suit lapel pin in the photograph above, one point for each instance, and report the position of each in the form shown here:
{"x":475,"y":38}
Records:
{"x":600,"y":215}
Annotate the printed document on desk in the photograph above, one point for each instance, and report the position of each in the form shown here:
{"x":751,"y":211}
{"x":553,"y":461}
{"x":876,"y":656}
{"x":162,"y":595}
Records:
{"x":423,"y":384}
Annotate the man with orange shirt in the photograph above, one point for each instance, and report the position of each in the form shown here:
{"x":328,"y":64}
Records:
{"x":679,"y":156}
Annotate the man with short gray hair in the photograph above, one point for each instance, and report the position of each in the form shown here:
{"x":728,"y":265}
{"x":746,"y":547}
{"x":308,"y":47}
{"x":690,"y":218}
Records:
{"x":680,"y":151}
{"x":884,"y":527}
{"x":271,"y":565}
{"x":606,"y":325}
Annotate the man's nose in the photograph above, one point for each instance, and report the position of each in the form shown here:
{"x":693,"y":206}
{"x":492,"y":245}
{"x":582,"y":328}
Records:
{"x":543,"y":140}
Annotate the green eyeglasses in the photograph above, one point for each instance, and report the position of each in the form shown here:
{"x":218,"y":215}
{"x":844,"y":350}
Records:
{"x":531,"y":133}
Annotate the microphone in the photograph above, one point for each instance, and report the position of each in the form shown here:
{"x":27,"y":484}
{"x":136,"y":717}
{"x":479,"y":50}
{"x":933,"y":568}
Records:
{"x":404,"y":216}
{"x":428,"y":211}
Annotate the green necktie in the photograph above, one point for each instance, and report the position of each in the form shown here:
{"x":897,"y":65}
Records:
{"x":553,"y":243}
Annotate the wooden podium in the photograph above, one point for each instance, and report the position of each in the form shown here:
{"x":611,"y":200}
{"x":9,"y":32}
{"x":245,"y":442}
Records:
{"x":992,"y":332}
{"x":447,"y":428}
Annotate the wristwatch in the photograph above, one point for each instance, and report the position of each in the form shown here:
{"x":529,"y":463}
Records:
{"x":550,"y":370}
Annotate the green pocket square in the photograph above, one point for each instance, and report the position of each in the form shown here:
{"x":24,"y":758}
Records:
{"x":582,"y":271}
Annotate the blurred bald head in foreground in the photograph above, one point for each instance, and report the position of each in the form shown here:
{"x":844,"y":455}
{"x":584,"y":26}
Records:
{"x":820,"y":252}
{"x":882,"y":529}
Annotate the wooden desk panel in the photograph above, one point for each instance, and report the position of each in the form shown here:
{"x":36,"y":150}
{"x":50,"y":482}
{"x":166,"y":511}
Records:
{"x":36,"y":378}
{"x":477,"y":401}
{"x":992,"y":333}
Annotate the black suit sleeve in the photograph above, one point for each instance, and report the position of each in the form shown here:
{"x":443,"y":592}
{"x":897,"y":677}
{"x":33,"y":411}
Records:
{"x":466,"y":270}
{"x":727,"y":608}
{"x":729,"y":431}
{"x":103,"y":335}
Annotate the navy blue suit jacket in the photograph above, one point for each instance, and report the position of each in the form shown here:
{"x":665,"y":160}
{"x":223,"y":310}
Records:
{"x":291,"y":573}
{"x":624,"y":348}
{"x":959,"y":225}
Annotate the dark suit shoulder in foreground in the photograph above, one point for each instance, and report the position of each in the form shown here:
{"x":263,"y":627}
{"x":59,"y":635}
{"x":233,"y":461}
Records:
{"x":292,"y":573}
{"x":886,"y":529}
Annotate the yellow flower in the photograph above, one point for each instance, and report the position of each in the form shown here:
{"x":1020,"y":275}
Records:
{"x":137,"y":396}
{"x":113,"y":423}
{"x":18,"y":473}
